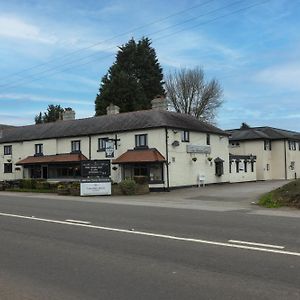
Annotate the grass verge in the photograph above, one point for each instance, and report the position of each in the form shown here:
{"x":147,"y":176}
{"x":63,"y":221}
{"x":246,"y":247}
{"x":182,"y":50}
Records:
{"x":287,"y":195}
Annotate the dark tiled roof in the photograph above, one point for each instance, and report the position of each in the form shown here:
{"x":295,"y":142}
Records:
{"x":257,"y":133}
{"x":108,"y":124}
{"x":4,"y":126}
{"x":51,"y":159}
{"x":138,"y":156}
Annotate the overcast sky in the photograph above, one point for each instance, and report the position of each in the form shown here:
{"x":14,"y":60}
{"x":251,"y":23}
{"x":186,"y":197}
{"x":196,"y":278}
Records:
{"x":57,"y":51}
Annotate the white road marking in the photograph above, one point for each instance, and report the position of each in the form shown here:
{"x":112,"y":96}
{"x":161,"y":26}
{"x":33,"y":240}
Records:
{"x":256,"y":244}
{"x":78,"y":221}
{"x":164,"y":236}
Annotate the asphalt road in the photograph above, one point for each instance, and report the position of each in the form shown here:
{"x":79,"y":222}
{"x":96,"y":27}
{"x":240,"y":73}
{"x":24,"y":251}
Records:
{"x":139,"y":252}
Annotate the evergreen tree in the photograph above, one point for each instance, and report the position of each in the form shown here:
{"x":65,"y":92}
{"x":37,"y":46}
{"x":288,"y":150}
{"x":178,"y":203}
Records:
{"x":52,"y":114}
{"x":133,"y":80}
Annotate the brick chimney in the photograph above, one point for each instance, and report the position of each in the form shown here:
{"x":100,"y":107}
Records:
{"x":159,"y":103}
{"x":112,"y":109}
{"x":68,"y":114}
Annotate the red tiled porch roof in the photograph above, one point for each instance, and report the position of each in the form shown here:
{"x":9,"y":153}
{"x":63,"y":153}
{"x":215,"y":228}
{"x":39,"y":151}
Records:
{"x":51,"y":159}
{"x":140,"y":156}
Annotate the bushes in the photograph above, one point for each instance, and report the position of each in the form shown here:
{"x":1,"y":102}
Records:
{"x":128,"y":186}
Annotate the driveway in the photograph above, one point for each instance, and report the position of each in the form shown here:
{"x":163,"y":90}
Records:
{"x":233,"y":192}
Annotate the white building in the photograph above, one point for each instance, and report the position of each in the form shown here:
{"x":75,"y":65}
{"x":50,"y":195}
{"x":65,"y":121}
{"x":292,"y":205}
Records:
{"x":277,"y":151}
{"x":171,"y":149}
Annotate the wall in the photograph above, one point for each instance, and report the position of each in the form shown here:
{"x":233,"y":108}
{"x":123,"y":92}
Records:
{"x":264,"y":157}
{"x":184,"y":171}
{"x":242,"y":176}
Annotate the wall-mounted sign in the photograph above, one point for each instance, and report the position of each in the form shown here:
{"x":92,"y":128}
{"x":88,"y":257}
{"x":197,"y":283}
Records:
{"x":95,"y":168}
{"x":95,"y":188}
{"x":109,"y":148}
{"x":198,"y":149}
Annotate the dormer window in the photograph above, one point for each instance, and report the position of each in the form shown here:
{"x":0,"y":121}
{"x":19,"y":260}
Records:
{"x":38,"y":149}
{"x":185,"y":136}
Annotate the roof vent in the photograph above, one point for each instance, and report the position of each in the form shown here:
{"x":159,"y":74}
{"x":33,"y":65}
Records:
{"x":112,"y":109}
{"x":159,"y":103}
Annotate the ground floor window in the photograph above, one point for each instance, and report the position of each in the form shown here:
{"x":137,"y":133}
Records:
{"x":154,"y":171}
{"x":8,"y":168}
{"x":54,"y":171}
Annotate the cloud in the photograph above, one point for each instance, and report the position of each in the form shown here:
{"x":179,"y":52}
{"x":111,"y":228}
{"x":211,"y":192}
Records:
{"x":281,"y":76}
{"x":35,"y":98}
{"x":13,"y":27}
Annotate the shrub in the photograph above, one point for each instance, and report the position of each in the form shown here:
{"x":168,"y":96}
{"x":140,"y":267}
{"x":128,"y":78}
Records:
{"x":128,"y":186}
{"x":27,"y":184}
{"x":42,"y":185}
{"x":140,"y":179}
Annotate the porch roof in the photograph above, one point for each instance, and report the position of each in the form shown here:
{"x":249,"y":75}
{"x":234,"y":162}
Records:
{"x":140,"y":156}
{"x":52,"y":159}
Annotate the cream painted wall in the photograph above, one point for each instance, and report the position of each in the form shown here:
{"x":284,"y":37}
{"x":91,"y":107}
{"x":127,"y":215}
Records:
{"x":256,"y":147}
{"x":293,"y":156}
{"x":20,"y":151}
{"x":156,"y":139}
{"x":184,"y":171}
{"x":242,"y":176}
{"x":275,"y":158}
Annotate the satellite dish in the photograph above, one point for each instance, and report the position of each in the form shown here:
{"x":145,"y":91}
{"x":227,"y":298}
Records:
{"x":175,"y":144}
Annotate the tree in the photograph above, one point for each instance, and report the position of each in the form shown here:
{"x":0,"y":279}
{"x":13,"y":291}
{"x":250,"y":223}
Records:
{"x":53,"y":113}
{"x":188,"y":92}
{"x":133,"y":80}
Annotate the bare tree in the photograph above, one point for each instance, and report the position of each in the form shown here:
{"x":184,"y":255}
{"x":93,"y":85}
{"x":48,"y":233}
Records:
{"x":188,"y":92}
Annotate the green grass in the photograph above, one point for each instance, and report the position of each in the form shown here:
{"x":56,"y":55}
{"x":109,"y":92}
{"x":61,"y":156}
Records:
{"x":31,"y":190}
{"x":287,"y":195}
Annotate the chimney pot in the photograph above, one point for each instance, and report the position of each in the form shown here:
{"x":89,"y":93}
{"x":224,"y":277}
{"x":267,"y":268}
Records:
{"x":112,"y":109}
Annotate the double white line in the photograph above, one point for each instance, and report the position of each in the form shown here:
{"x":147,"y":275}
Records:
{"x":231,"y":244}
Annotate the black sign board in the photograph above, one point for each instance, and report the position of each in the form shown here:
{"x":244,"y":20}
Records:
{"x":95,"y":168}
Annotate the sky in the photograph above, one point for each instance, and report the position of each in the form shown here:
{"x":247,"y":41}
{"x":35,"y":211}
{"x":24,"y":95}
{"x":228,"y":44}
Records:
{"x":56,"y":52}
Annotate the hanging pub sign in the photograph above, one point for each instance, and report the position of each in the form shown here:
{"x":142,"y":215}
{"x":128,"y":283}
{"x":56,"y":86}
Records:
{"x":109,"y":148}
{"x":95,"y":168}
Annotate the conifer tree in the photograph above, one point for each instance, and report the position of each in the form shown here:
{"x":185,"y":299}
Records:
{"x":133,"y":80}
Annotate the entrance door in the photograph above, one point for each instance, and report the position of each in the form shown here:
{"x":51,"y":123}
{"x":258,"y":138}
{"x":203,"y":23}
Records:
{"x":45,"y":172}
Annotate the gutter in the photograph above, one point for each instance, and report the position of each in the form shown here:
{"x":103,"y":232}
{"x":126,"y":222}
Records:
{"x":167,"y":160}
{"x":285,"y":163}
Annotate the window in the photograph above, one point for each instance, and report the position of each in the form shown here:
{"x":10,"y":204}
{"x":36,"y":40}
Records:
{"x":8,"y":150}
{"x":8,"y":168}
{"x":252,"y":166}
{"x":75,"y":146}
{"x":141,"y":141}
{"x":207,"y":139}
{"x":245,"y":166}
{"x":230,"y":166}
{"x":268,"y":167}
{"x":267,"y":145}
{"x":292,"y":145}
{"x":234,"y":144}
{"x":237,"y":166}
{"x":185,"y":136}
{"x":38,"y":149}
{"x":102,"y":144}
